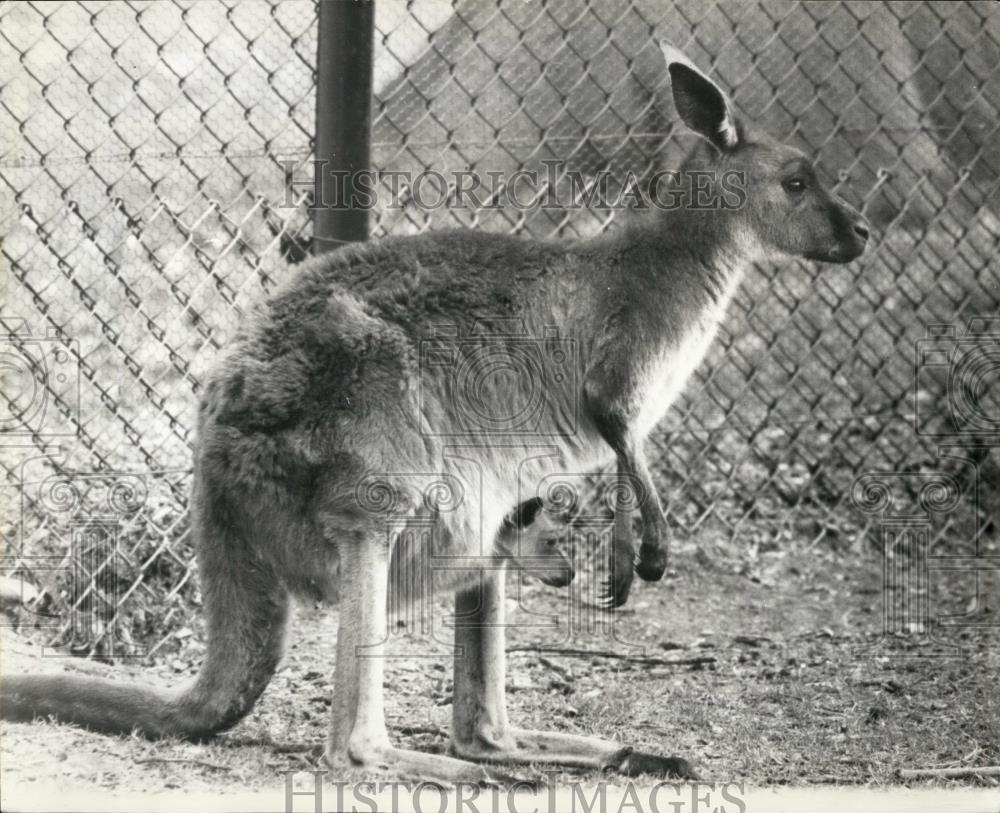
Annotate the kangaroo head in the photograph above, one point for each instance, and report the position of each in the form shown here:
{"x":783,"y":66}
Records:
{"x":529,"y":538}
{"x":785,"y":209}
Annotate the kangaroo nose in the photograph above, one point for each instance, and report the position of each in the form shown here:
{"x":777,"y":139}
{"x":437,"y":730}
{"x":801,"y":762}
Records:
{"x":861,"y":230}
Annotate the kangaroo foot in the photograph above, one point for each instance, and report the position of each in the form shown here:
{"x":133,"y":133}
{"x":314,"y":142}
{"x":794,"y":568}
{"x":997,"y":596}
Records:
{"x":403,"y":763}
{"x":524,"y":746}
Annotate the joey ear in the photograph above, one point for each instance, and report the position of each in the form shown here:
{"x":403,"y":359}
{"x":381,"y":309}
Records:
{"x":525,"y":513}
{"x":702,"y":104}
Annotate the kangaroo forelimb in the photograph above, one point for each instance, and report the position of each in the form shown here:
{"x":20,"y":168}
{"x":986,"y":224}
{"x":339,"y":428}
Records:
{"x":603,"y":390}
{"x":652,"y":561}
{"x":621,"y":559}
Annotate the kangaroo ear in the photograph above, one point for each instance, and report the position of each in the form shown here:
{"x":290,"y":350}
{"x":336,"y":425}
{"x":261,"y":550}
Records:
{"x":701,"y":103}
{"x":525,"y":513}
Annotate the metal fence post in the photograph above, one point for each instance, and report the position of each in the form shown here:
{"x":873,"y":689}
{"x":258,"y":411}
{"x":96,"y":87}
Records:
{"x":343,"y":120}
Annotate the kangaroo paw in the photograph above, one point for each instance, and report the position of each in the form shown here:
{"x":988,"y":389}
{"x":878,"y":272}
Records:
{"x":615,"y":589}
{"x":653,"y":551}
{"x":652,"y":564}
{"x":621,"y":563}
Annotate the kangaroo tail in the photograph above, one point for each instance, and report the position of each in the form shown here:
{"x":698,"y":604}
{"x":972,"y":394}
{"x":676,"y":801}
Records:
{"x":246,"y":609}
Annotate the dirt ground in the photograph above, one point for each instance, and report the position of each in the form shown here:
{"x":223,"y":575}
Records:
{"x":772,"y":675}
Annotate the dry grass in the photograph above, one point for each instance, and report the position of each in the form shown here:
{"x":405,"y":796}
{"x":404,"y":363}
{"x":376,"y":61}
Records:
{"x":795,"y":695}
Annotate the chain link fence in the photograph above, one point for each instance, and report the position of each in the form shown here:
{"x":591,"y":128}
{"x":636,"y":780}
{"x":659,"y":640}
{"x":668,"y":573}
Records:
{"x":150,"y":157}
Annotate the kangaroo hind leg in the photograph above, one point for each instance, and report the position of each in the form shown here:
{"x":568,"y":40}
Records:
{"x":358,"y":736}
{"x":480,"y":729}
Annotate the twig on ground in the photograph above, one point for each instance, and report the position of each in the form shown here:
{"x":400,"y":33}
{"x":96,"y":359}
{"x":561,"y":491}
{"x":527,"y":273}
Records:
{"x":420,"y":729}
{"x":824,"y":779}
{"x":601,"y":653}
{"x":201,"y":762}
{"x":295,"y":747}
{"x":921,"y":773}
{"x":555,"y":667}
{"x":266,"y":742}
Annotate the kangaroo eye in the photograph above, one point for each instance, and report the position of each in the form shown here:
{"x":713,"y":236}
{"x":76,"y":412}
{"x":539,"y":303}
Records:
{"x":794,"y":185}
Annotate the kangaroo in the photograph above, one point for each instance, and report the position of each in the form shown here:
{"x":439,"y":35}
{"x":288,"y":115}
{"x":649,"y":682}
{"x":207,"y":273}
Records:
{"x":527,"y":538}
{"x":439,"y":379}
